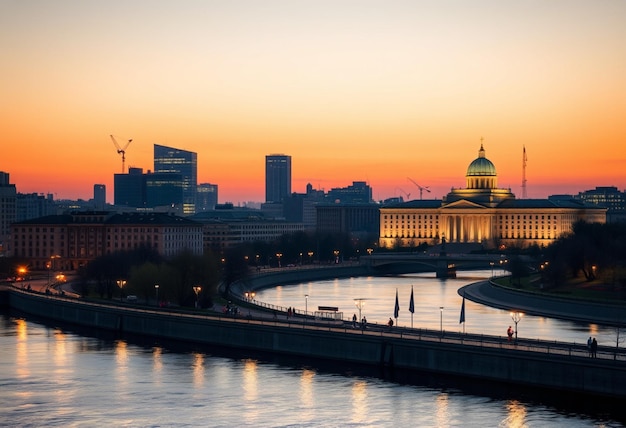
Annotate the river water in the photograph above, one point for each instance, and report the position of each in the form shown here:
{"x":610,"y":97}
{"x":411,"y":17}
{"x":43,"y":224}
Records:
{"x":56,"y":376}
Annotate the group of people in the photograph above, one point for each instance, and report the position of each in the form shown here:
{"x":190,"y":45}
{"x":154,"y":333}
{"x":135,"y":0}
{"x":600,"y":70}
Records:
{"x":592,"y":347}
{"x":363,"y":322}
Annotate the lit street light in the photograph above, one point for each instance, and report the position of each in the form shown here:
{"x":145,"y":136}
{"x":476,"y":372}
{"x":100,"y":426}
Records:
{"x":516,"y":317}
{"x":156,"y":288}
{"x":197,"y":289}
{"x":121,"y":283}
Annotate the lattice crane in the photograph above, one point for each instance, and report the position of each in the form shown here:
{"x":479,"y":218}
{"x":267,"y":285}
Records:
{"x":121,"y":151}
{"x":422,"y":188}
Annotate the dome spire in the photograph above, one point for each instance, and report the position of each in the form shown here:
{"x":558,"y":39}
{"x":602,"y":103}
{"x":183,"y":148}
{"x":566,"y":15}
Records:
{"x":481,"y":152}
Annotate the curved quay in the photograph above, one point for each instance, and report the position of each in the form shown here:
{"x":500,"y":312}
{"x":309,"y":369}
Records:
{"x":489,"y":293}
{"x":532,"y":363}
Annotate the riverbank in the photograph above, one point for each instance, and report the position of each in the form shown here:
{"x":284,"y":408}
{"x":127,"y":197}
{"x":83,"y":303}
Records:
{"x":489,"y":293}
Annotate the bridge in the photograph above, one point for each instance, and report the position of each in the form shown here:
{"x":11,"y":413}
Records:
{"x":443,"y":263}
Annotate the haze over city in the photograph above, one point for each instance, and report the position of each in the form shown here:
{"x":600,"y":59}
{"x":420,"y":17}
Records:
{"x":352,"y":90}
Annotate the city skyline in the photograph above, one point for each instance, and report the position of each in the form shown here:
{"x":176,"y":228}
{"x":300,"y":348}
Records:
{"x":352,"y":91}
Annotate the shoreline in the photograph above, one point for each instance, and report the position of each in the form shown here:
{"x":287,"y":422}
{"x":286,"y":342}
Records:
{"x":491,"y":294}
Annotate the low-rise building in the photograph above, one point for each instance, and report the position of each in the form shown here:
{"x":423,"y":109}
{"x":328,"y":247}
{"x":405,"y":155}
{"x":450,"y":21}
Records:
{"x":75,"y":239}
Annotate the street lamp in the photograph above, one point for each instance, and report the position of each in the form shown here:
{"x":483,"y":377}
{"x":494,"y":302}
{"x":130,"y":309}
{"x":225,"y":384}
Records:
{"x":278,"y":256}
{"x":359,"y":303}
{"x":336,"y":254}
{"x":306,"y":305}
{"x":516,"y":317}
{"x":441,"y":320}
{"x":156,"y":289}
{"x":121,"y":283}
{"x":197,"y":289}
{"x":491,"y":264}
{"x":310,"y":254}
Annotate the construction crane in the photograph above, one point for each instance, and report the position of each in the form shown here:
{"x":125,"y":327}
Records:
{"x":419,"y":187}
{"x":121,"y":150}
{"x":408,"y":195}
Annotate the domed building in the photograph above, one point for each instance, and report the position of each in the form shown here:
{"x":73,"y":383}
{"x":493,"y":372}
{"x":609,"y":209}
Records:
{"x":482,"y":213}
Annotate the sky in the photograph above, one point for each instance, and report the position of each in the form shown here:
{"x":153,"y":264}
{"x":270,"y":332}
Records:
{"x":387,"y":92}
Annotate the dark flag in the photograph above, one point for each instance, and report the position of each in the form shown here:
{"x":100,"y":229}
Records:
{"x":411,"y":304}
{"x":462,"y":318}
{"x":396,"y":309}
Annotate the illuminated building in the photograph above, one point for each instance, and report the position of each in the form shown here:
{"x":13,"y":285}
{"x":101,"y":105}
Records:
{"x":177,"y":161}
{"x":482,"y":213}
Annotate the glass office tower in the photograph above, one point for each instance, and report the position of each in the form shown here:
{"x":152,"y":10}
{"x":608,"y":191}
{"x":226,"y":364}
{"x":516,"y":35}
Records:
{"x":277,"y":177}
{"x":183,"y":162}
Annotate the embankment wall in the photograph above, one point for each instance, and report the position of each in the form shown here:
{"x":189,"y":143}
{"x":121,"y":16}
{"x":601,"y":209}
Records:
{"x":560,"y":372}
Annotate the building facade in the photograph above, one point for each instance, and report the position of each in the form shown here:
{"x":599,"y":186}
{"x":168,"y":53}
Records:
{"x":183,"y":162}
{"x":8,"y":204}
{"x":483,"y":213}
{"x":277,"y":177}
{"x":206,"y":199}
{"x":75,"y":239}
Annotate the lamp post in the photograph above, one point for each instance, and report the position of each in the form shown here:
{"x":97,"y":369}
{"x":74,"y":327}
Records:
{"x":197,"y":289}
{"x":441,"y":320}
{"x":156,"y":289}
{"x":359,"y":304}
{"x":336,"y":254}
{"x":491,"y":264}
{"x":516,"y":317}
{"x":278,"y":256}
{"x":121,"y":283}
{"x":310,"y":254}
{"x":306,"y":305}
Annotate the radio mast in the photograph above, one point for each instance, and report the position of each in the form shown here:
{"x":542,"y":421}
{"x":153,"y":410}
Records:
{"x":524,"y":161}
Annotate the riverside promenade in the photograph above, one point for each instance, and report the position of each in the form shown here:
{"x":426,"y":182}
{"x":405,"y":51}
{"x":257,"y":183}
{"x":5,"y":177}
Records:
{"x":534,"y":363}
{"x":489,"y":293}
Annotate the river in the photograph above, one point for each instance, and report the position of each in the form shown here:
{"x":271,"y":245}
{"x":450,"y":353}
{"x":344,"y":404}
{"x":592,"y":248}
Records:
{"x":58,"y":376}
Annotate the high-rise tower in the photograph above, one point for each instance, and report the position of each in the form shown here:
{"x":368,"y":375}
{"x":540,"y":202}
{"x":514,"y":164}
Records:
{"x":183,"y":162}
{"x":277,"y":177}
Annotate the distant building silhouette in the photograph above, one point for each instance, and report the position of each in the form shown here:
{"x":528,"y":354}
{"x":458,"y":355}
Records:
{"x":8,"y":197}
{"x":206,"y":198}
{"x":277,"y":177}
{"x":99,"y":196}
{"x":609,"y":197}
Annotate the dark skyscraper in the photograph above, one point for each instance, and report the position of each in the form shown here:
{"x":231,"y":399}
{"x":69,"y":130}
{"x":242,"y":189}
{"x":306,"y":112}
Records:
{"x":277,"y":177}
{"x":183,"y":162}
{"x":99,"y":196}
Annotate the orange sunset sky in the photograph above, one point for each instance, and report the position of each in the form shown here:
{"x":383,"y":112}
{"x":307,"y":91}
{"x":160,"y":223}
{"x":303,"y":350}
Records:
{"x":373,"y":91}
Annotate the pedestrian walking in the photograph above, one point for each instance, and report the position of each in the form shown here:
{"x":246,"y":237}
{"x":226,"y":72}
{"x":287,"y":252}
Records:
{"x":390,"y":323}
{"x":589,"y":341}
{"x":509,"y":333}
{"x":354,"y":321}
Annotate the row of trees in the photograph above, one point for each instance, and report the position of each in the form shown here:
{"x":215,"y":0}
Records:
{"x":592,"y":250}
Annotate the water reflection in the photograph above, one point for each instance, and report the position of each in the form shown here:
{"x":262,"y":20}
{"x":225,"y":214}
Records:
{"x":376,"y":298}
{"x":359,"y":402}
{"x":516,"y":414}
{"x":442,"y":416}
{"x":307,"y":396}
{"x":250,"y":391}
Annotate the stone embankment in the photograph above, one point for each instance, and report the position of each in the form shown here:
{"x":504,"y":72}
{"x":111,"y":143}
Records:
{"x":561,"y":367}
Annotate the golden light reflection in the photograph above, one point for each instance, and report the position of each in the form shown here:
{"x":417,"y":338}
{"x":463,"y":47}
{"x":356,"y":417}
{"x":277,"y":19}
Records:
{"x":516,"y":415}
{"x":22,"y":348}
{"x":307,"y":397}
{"x":359,"y":402}
{"x":60,"y":349}
{"x":157,"y":359}
{"x":198,"y":370}
{"x":442,"y":416}
{"x":250,"y":392}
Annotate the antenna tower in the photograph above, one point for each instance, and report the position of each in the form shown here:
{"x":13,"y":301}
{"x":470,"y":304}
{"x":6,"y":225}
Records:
{"x":524,"y":162}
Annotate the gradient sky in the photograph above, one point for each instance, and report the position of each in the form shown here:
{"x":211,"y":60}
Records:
{"x":373,"y":91}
